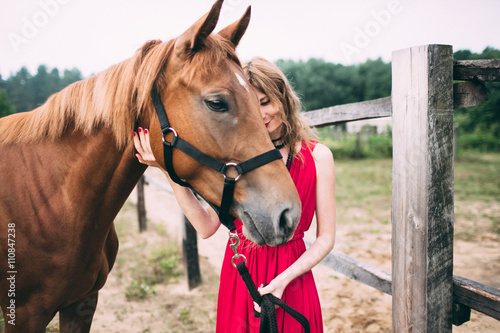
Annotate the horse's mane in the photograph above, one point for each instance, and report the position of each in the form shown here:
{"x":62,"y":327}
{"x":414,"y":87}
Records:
{"x":113,"y":98}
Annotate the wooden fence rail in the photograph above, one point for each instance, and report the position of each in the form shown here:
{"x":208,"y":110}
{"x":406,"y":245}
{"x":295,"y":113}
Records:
{"x":426,"y":295}
{"x":467,"y":294}
{"x":465,"y":94}
{"x":377,"y":108}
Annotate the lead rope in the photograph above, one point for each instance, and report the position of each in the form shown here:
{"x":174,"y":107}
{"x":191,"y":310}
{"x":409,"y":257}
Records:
{"x":266,"y":302}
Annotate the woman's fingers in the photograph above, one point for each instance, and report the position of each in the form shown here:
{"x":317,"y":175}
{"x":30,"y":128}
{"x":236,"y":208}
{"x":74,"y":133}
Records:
{"x":142,"y":139}
{"x":256,"y":307}
{"x":146,"y":141}
{"x":137,"y":143}
{"x":143,"y":146}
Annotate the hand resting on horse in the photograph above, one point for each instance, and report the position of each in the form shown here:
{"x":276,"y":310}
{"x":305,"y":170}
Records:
{"x":204,"y":219}
{"x":143,"y":147}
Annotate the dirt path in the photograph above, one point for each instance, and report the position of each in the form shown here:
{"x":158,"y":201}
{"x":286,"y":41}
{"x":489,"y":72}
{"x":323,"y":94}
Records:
{"x":348,"y":306}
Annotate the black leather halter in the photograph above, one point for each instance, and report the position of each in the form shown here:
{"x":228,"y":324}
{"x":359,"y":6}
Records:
{"x":207,"y":160}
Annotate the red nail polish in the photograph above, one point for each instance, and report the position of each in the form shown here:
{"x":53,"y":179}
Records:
{"x":139,"y":130}
{"x":145,"y":131}
{"x":133,"y":133}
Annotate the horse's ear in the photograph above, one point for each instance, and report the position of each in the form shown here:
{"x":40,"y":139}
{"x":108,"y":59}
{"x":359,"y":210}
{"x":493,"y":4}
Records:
{"x":235,"y":31}
{"x":194,"y":38}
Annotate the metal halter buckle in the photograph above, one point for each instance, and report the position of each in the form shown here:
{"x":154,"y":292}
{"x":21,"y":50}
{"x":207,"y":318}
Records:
{"x":235,"y":242}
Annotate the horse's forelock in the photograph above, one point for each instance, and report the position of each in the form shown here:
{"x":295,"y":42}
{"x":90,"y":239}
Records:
{"x":205,"y":62}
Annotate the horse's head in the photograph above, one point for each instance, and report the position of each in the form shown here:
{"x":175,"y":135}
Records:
{"x":212,"y":106}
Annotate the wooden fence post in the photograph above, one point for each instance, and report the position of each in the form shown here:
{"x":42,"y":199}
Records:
{"x":190,"y":254}
{"x":422,"y":185}
{"x":141,"y":205}
{"x":357,"y":153}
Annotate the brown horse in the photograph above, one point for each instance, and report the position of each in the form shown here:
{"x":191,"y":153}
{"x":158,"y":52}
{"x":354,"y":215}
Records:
{"x":67,"y":167}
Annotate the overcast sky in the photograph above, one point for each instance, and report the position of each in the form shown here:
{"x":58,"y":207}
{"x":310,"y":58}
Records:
{"x":92,"y":35}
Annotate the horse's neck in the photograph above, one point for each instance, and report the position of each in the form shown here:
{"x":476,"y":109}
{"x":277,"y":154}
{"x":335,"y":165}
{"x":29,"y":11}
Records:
{"x":102,"y":176}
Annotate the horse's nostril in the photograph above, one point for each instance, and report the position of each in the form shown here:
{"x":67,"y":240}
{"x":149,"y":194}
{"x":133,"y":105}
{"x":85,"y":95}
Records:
{"x":284,"y":224}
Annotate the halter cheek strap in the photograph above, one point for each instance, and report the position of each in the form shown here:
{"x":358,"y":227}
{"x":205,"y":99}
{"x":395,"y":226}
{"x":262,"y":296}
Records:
{"x":207,"y":160}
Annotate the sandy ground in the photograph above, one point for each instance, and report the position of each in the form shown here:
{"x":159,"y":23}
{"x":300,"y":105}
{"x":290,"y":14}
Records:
{"x":348,"y":306}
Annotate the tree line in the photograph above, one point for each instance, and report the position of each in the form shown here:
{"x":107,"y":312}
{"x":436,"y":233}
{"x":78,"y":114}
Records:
{"x":23,"y":91}
{"x":319,"y":84}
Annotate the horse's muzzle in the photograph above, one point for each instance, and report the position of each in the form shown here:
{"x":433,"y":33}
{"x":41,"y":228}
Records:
{"x":273,"y":225}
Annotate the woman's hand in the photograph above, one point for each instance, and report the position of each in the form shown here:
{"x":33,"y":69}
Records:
{"x":143,"y":147}
{"x":275,"y":287}
{"x":205,"y":221}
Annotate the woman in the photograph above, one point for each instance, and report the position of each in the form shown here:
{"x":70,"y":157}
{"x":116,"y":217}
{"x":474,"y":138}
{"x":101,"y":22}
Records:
{"x":284,"y":270}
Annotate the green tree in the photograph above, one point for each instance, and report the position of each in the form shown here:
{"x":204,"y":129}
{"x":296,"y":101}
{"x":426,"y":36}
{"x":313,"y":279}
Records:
{"x":462,"y":55}
{"x":54,"y":81}
{"x":70,"y":76}
{"x":5,"y":107}
{"x":374,"y":76}
{"x":26,"y":92}
{"x":40,"y":86}
{"x":322,"y":84}
{"x":19,"y":90}
{"x":488,"y":53}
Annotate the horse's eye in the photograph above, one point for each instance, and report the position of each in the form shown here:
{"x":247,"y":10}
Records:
{"x":217,"y":105}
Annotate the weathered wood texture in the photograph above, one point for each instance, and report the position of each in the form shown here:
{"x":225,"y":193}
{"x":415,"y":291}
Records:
{"x":376,"y":108}
{"x":483,"y":70}
{"x":141,"y":205}
{"x":477,"y":296}
{"x":358,"y":271}
{"x":190,"y":254}
{"x":469,"y":93}
{"x":422,"y":189}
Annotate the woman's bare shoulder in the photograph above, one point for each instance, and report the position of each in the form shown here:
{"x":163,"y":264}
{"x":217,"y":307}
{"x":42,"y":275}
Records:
{"x":322,"y":153}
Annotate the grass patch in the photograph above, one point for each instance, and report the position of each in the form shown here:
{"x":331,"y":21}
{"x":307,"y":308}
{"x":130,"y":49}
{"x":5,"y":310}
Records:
{"x":365,"y":185}
{"x":350,"y":146}
{"x":139,"y":290}
{"x":162,"y":265}
{"x":476,"y":178}
{"x":153,"y":260}
{"x":477,"y":195}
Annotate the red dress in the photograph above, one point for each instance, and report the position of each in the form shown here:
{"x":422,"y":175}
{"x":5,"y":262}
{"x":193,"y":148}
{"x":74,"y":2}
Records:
{"x":235,"y":306}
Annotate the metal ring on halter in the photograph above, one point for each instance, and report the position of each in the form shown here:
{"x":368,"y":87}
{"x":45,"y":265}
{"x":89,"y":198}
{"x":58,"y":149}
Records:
{"x":171,"y":129}
{"x":235,"y":166}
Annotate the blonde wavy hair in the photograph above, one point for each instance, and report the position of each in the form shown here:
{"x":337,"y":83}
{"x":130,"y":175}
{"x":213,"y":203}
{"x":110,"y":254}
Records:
{"x":270,"y":80}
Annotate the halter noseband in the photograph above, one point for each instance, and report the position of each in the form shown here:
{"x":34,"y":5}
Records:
{"x":207,"y":160}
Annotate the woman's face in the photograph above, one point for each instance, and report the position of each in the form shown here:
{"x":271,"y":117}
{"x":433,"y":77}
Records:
{"x":270,"y":115}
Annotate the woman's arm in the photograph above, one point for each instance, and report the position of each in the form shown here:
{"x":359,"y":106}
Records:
{"x":325,"y":219}
{"x":204,"y":220}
